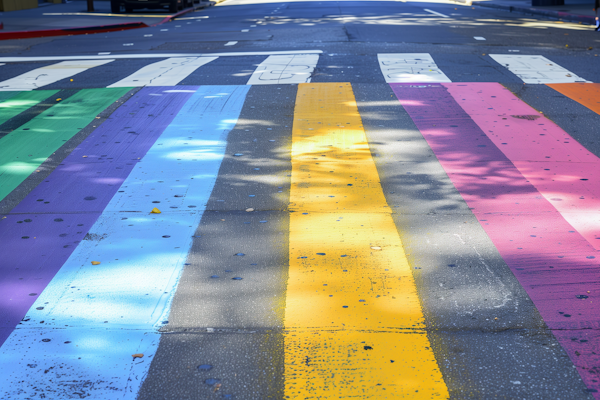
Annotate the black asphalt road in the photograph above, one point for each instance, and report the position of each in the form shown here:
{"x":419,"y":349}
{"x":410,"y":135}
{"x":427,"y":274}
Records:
{"x":237,"y":326}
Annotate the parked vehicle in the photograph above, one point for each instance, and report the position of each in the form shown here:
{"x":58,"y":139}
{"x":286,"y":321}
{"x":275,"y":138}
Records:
{"x":129,"y":5}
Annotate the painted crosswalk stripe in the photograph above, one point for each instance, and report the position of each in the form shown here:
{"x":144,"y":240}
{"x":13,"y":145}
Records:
{"x":167,"y":72}
{"x":410,"y":67}
{"x":74,"y":195}
{"x":561,"y":169}
{"x":536,"y":69}
{"x":15,"y":103}
{"x":436,"y":13}
{"x":551,"y":260}
{"x":43,"y":76}
{"x":284,"y":69}
{"x":113,"y":308}
{"x":353,"y":320}
{"x":26,"y":148}
{"x":587,"y":94}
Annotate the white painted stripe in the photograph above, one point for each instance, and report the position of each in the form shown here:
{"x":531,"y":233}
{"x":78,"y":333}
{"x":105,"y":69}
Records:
{"x":97,"y":316}
{"x":231,"y":43}
{"x":167,"y":72}
{"x":410,"y":67}
{"x":536,"y":69}
{"x":40,"y":77}
{"x":284,"y":69}
{"x":202,"y":17}
{"x":478,"y":38}
{"x":436,"y":13}
{"x":157,"y":55}
{"x":245,"y":30}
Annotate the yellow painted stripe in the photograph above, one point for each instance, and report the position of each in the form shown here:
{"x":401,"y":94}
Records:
{"x":354,"y":324}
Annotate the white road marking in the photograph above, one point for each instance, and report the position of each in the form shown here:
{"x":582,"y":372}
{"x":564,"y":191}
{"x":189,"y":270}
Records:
{"x":43,"y":76}
{"x":436,"y":13}
{"x":252,"y":26}
{"x":410,"y":67}
{"x":164,"y":30}
{"x":148,"y":35}
{"x":284,"y":69}
{"x":104,"y":53}
{"x":127,"y":44}
{"x":245,"y":30}
{"x":230,"y":43}
{"x":167,"y":72}
{"x":478,"y":38}
{"x":536,"y":69}
{"x":156,"y":55}
{"x":203,"y":17}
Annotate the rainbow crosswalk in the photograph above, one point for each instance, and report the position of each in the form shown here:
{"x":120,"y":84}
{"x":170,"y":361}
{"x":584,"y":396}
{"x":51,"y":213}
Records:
{"x":94,"y":283}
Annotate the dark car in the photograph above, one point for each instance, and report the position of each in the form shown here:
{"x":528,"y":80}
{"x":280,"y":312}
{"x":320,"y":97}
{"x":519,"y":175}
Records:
{"x":129,"y":5}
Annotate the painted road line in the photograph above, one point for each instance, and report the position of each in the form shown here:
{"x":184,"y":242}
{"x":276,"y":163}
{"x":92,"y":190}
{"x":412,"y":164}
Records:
{"x":74,"y":195}
{"x":354,"y":325}
{"x":536,"y":69}
{"x":167,"y":72}
{"x":231,"y":43}
{"x":43,"y":76}
{"x":410,"y":67}
{"x":478,"y":38}
{"x":587,"y":94}
{"x":284,"y":69}
{"x":113,"y":309}
{"x":25,"y":149}
{"x":157,"y":55}
{"x":436,"y":13}
{"x":554,"y":263}
{"x":15,"y":103}
{"x":561,"y":169}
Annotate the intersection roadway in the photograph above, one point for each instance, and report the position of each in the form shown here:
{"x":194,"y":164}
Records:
{"x":304,"y":200}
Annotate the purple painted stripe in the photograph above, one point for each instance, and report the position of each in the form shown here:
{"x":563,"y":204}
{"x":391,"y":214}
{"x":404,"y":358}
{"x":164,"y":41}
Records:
{"x":555,"y":264}
{"x":40,"y":233}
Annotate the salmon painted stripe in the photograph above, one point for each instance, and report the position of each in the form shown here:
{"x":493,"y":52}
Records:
{"x":354,"y":324}
{"x":587,"y":94}
{"x":554,"y":263}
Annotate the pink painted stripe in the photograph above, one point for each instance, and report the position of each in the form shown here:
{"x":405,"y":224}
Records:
{"x":554,"y":263}
{"x":561,"y":169}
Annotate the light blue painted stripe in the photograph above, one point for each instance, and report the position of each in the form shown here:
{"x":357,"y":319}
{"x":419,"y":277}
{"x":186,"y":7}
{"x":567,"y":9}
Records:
{"x":96,"y":317}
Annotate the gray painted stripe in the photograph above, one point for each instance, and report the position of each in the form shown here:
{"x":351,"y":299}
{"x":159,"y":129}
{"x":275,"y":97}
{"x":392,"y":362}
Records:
{"x":235,"y":325}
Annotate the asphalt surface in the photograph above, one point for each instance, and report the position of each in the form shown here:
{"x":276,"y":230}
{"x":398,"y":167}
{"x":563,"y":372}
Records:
{"x":490,"y":340}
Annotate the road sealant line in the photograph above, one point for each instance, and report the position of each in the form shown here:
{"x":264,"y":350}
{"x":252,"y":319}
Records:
{"x":91,"y":318}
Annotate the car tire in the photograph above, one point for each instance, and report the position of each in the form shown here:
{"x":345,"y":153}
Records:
{"x":115,"y":6}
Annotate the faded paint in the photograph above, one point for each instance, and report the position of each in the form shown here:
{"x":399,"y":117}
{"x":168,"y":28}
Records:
{"x":354,"y":325}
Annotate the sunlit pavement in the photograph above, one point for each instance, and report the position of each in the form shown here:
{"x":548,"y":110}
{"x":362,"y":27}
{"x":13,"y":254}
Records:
{"x":302,"y":200}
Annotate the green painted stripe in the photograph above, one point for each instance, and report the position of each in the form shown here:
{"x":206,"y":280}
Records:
{"x":26,"y":148}
{"x":14,"y":103}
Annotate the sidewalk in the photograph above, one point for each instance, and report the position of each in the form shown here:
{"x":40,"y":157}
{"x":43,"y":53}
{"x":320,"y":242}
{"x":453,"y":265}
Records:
{"x":573,"y":10}
{"x":64,"y":19}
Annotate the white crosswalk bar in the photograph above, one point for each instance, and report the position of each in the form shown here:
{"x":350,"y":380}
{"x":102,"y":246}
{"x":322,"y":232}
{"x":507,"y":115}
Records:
{"x":167,"y":72}
{"x":536,"y":69}
{"x":43,"y":76}
{"x":410,"y":67}
{"x":284,"y":69}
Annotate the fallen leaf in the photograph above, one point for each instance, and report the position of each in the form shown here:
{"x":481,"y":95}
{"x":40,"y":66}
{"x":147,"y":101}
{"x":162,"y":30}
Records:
{"x":249,"y":209}
{"x":155,"y":211}
{"x":95,"y":262}
{"x":59,"y":99}
{"x":375,"y":248}
{"x":217,"y":387}
{"x":137,"y":355}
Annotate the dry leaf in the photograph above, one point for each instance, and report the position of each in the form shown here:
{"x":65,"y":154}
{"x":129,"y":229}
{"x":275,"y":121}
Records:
{"x":155,"y":211}
{"x":95,"y":262}
{"x":137,"y":355}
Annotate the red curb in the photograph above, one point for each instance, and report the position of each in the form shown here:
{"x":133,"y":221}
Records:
{"x":84,"y":30}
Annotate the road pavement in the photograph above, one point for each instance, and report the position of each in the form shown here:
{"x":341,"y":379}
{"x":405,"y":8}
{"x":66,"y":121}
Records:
{"x":307,"y":199}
